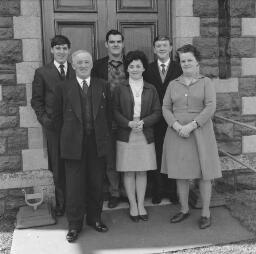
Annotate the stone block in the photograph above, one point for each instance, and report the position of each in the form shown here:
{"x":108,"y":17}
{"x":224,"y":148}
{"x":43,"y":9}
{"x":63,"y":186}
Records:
{"x":30,"y":8}
{"x":3,"y":108}
{"x":6,"y":33}
{"x":15,"y":94}
{"x":8,"y":122}
{"x":224,"y":131}
{"x":235,"y":27}
{"x":10,"y":51}
{"x":26,"y":71}
{"x":34,"y":159}
{"x":6,"y":22}
{"x":8,"y":68}
{"x":12,"y":110}
{"x":2,"y":145}
{"x":247,"y":87}
{"x":249,"y":144}
{"x":17,"y":142}
{"x":2,"y":207}
{"x":206,"y":8}
{"x":32,"y":50}
{"x":35,"y":138}
{"x":209,"y":27}
{"x":245,"y":8}
{"x":187,"y":27}
{"x":243,"y":131}
{"x":232,"y":147}
{"x":25,"y":179}
{"x":7,"y":79}
{"x":226,"y":85}
{"x":248,"y":66}
{"x":211,"y":72}
{"x":180,"y":41}
{"x":9,"y":163}
{"x":209,"y":47}
{"x":248,"y":105}
{"x":1,"y":93}
{"x":9,"y":8}
{"x":28,"y":117}
{"x":242,"y":47}
{"x":184,"y":8}
{"x":248,"y":26}
{"x":228,"y":102}
{"x":26,"y":27}
{"x":29,"y":93}
{"x":3,"y":194}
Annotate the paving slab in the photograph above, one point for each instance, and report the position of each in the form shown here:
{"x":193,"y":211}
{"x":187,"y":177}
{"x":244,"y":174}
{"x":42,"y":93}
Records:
{"x":126,"y":237}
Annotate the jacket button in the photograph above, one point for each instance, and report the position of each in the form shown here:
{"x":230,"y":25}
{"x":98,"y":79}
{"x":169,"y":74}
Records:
{"x":186,"y":95}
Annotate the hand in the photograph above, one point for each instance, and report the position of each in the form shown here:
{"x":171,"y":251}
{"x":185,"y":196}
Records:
{"x":133,"y":124}
{"x":187,"y":129}
{"x":140,"y":125}
{"x":177,"y":126}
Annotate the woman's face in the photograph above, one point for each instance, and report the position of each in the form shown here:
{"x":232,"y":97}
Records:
{"x":188,"y":63}
{"x":135,"y":69}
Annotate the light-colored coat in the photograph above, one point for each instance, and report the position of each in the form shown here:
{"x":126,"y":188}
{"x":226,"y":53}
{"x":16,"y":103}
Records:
{"x":196,"y":156}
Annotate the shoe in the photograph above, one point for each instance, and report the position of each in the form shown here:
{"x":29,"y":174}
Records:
{"x":72,"y":235}
{"x":98,"y":226}
{"x":135,"y":218}
{"x":59,"y":211}
{"x":156,"y":199}
{"x":144,"y":217}
{"x":179,"y":217}
{"x":174,"y":199}
{"x":204,"y":222}
{"x":113,"y":202}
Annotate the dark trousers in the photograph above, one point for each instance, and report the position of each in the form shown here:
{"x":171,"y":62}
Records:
{"x":84,"y":185}
{"x":56,"y":165}
{"x":161,"y":184}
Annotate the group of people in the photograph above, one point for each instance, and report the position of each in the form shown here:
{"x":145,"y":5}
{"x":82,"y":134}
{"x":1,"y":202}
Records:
{"x":120,"y":116}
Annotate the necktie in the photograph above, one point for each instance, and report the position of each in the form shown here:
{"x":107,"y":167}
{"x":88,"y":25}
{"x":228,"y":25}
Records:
{"x":163,"y":69}
{"x":62,"y":72}
{"x":85,"y":87}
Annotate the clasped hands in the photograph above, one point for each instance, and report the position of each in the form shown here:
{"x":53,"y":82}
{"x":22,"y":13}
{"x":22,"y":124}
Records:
{"x":184,"y":130}
{"x":136,"y":125}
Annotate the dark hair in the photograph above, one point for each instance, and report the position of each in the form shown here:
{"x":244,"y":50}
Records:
{"x":162,"y":38}
{"x":113,"y":32}
{"x":135,"y":55}
{"x":60,"y":40}
{"x":188,"y":48}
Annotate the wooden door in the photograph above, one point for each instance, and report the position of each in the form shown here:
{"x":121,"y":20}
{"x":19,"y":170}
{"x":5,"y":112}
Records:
{"x":86,"y":23}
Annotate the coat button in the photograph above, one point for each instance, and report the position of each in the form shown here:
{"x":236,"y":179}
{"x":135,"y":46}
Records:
{"x":186,"y":95}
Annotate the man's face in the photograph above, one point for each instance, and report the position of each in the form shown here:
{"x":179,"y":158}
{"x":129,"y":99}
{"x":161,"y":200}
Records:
{"x":162,"y":49}
{"x":60,"y":53}
{"x":82,"y":64}
{"x":115,"y":45}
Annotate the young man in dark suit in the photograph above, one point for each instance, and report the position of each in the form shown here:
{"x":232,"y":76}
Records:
{"x":111,"y":68}
{"x":82,"y":113}
{"x":160,"y":73}
{"x":43,"y":96}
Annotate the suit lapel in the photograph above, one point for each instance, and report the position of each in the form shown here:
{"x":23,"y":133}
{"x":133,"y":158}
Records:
{"x":96,"y":96}
{"x":156,"y":73}
{"x":74,"y":96}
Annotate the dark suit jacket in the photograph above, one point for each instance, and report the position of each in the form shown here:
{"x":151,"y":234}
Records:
{"x":124,"y":110}
{"x":100,"y":68}
{"x":152,"y":76}
{"x":43,"y":92}
{"x":68,"y":117}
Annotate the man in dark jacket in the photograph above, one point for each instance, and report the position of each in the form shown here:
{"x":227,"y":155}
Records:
{"x":160,"y":73}
{"x":83,"y":114}
{"x":111,"y":68}
{"x":43,"y":96}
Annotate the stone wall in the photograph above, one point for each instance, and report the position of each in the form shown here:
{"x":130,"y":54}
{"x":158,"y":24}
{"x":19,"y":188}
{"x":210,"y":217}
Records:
{"x":23,"y":162}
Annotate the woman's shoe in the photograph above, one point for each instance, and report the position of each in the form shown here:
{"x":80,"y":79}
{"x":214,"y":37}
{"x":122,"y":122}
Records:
{"x":204,"y":222}
{"x":144,"y":217}
{"x":134,"y":218}
{"x":179,"y":217}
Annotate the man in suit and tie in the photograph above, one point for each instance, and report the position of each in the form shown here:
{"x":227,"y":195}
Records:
{"x":43,"y":96}
{"x":160,"y":73}
{"x":82,"y":113}
{"x":111,"y":69}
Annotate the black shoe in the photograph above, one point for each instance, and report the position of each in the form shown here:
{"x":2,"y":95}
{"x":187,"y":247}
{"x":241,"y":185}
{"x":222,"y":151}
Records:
{"x":72,"y":235}
{"x":179,"y":217}
{"x":113,"y":202}
{"x":98,"y":226}
{"x":59,"y":211}
{"x":135,"y":218}
{"x":156,"y":199}
{"x":144,"y":217}
{"x":204,"y":222}
{"x":174,"y":199}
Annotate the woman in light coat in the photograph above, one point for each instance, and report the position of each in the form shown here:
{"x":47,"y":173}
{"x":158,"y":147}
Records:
{"x":190,"y":149}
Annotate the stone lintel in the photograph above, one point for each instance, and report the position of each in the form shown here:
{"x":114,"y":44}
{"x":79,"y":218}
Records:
{"x":249,"y":105}
{"x":249,"y":144}
{"x":248,"y":66}
{"x":226,"y":85}
{"x":28,"y":117}
{"x":187,"y":27}
{"x":34,"y":159}
{"x":248,"y":26}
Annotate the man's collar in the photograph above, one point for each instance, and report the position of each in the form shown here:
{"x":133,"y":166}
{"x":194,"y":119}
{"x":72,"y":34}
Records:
{"x":58,"y":64}
{"x":117,"y":59}
{"x":80,"y":81}
{"x":166,"y":63}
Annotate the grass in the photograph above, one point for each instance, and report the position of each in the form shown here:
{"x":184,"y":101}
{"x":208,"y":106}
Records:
{"x":241,"y":203}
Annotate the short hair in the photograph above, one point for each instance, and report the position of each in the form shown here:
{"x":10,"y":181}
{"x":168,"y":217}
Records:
{"x":113,"y":32}
{"x":135,"y":55}
{"x":60,"y":40}
{"x":77,"y":52}
{"x":162,"y":38}
{"x":188,"y":48}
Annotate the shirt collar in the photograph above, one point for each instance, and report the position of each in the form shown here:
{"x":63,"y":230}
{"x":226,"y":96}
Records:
{"x":165,"y":63}
{"x":80,"y":81}
{"x":120,"y":59}
{"x":57,"y":65}
{"x":181,"y":80}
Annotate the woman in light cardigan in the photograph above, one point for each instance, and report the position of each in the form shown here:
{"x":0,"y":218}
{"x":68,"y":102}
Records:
{"x":136,"y":110}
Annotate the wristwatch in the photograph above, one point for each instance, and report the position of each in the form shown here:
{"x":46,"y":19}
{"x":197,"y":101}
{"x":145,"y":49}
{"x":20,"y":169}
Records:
{"x":197,"y":125}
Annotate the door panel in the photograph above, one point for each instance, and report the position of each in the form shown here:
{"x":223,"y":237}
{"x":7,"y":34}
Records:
{"x":86,"y":23}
